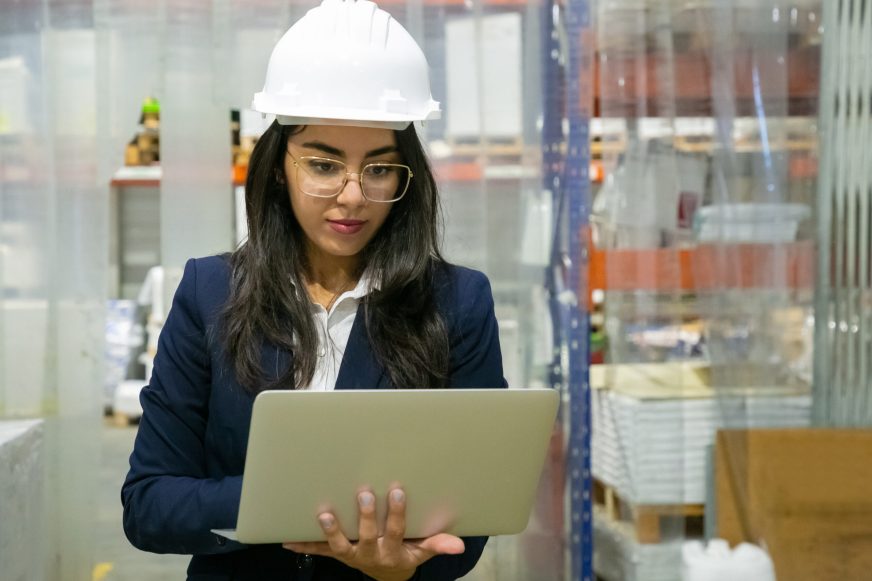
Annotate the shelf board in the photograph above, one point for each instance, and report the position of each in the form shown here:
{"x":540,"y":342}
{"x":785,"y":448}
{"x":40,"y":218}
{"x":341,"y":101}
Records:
{"x":706,"y":267}
{"x":151,"y":175}
{"x":138,"y":175}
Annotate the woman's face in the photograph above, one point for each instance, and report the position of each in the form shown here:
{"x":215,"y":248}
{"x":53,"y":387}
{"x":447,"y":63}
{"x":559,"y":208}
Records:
{"x":342,"y":225}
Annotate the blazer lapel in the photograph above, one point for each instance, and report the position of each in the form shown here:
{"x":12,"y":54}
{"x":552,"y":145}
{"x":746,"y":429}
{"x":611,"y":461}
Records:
{"x":359,"y":368}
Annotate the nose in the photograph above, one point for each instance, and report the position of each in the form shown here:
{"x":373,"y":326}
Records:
{"x":351,"y":194}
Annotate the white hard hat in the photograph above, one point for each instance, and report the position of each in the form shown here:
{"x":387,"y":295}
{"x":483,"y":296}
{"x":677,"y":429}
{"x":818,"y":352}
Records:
{"x":347,"y":62}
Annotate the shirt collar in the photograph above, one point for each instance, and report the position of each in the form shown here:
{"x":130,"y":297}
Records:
{"x":365,"y":285}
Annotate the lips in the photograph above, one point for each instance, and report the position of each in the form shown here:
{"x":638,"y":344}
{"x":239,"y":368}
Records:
{"x":347,"y":226}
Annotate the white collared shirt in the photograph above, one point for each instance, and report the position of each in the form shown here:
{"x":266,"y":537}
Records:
{"x":334,"y":329}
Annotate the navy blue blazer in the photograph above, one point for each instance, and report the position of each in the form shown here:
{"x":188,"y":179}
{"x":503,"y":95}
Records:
{"x":186,"y":467}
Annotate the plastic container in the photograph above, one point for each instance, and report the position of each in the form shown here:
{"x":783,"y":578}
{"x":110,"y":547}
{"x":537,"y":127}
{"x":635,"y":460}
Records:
{"x":717,"y":562}
{"x":750,"y":223}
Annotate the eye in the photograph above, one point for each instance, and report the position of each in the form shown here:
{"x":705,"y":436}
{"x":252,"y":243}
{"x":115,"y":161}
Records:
{"x":379,"y":171}
{"x":324,"y":167}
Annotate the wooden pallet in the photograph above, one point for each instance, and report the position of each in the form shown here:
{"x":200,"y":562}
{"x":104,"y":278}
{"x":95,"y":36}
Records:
{"x":650,"y":521}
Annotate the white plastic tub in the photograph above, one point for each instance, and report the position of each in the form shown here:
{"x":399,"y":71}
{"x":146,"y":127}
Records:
{"x":750,"y":223}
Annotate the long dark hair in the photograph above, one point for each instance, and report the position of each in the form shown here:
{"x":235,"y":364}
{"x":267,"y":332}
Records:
{"x":268,"y":301}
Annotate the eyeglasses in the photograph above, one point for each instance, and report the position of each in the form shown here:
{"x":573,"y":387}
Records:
{"x":322,"y":177}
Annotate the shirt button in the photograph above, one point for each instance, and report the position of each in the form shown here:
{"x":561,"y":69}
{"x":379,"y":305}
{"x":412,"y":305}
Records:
{"x":304,"y":561}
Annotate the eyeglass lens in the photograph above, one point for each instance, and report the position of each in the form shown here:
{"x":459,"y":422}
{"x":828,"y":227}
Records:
{"x":325,"y":177}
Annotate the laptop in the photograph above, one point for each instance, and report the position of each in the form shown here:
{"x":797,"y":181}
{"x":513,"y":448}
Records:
{"x":469,"y":460}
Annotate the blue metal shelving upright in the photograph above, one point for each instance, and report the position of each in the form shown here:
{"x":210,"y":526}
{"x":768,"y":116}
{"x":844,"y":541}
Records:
{"x":566,"y":159}
{"x":577,"y":183}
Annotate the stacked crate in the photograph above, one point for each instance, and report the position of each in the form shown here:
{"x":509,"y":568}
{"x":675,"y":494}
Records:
{"x":144,"y":148}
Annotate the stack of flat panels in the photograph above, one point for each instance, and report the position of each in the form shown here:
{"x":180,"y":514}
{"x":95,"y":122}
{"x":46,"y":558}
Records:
{"x":618,"y":557}
{"x":654,"y":424}
{"x":23,"y":551}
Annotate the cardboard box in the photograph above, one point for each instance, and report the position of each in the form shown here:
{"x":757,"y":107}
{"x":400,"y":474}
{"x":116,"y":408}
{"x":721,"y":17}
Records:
{"x":804,"y":494}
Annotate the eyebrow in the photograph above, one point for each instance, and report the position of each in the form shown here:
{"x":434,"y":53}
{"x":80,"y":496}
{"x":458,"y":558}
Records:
{"x":329,"y":149}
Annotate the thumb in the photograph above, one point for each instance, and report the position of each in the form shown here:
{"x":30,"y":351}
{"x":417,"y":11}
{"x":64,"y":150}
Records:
{"x":443,"y":544}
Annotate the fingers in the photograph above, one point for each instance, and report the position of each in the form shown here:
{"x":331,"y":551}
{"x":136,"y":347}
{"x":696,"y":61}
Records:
{"x":339,"y":545}
{"x":442,"y":544}
{"x":395,"y":527}
{"x":372,"y":554}
{"x":367,"y":529}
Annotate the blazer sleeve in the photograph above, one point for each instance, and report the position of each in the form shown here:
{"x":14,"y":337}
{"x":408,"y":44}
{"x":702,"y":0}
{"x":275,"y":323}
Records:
{"x":476,"y":362}
{"x":170,"y":504}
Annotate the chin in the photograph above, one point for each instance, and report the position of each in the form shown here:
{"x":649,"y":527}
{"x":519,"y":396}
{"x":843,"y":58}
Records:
{"x":343,"y":250}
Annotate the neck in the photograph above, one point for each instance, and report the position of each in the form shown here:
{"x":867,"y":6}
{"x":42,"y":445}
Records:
{"x":332,"y":273}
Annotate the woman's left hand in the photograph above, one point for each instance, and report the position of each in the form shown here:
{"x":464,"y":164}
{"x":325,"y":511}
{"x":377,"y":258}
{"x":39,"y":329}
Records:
{"x":387,"y":558}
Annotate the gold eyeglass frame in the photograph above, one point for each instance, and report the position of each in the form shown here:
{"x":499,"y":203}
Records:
{"x":348,"y":173}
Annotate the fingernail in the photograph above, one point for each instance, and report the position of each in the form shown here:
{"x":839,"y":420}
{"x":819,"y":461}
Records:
{"x":398,"y":495}
{"x":326,"y":521}
{"x":366,"y":499}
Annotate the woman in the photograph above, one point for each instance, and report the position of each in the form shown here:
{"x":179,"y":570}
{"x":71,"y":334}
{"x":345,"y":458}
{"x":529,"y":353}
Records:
{"x":339,"y":285}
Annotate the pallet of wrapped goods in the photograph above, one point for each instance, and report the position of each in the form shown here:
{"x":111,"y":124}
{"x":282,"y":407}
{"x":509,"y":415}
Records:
{"x":619,"y":556}
{"x":653,"y":425}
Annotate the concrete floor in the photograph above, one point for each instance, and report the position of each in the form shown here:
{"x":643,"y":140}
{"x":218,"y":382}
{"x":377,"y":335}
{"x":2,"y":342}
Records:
{"x":115,"y":558}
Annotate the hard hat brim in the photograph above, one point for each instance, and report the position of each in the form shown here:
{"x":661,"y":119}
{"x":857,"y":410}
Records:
{"x":294,"y":114}
{"x":292,"y":120}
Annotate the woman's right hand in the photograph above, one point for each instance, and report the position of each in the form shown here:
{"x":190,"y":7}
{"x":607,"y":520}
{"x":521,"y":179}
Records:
{"x":390,"y":557}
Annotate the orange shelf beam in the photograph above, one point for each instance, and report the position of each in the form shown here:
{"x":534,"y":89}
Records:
{"x":705,"y":267}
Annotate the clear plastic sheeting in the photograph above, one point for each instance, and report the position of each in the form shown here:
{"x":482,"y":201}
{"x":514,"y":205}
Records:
{"x":843,"y":390}
{"x":53,"y":263}
{"x":702,"y":263}
{"x":195,"y":141}
{"x":73,"y":77}
{"x":129,"y":39}
{"x":486,"y":60}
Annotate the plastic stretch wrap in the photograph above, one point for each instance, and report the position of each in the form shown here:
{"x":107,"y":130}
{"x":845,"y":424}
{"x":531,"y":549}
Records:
{"x":73,"y":76}
{"x":702,"y":233}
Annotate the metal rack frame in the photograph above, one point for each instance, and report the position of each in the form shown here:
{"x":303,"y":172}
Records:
{"x":565,"y":173}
